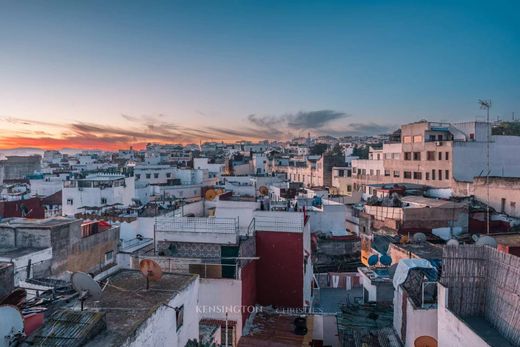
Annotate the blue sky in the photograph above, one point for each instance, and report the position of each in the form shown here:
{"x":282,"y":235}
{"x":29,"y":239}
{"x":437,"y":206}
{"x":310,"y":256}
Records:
{"x":209,"y":65}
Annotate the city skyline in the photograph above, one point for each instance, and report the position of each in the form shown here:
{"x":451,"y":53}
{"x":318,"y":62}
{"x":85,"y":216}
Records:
{"x":103,"y":75}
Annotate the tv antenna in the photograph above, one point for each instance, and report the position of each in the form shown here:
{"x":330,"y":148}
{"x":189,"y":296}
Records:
{"x":11,"y":326}
{"x":151,"y":270}
{"x":86,"y":287}
{"x":486,"y":105}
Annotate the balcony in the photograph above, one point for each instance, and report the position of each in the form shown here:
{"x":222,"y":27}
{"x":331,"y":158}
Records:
{"x":197,"y":230}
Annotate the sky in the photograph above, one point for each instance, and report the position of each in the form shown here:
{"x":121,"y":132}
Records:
{"x":110,"y":74}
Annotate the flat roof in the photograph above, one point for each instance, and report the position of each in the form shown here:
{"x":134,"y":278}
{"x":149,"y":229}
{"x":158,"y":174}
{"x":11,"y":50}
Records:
{"x":424,"y":250}
{"x":126,"y":303}
{"x":35,"y":223}
{"x":274,"y":330}
{"x":508,"y":239}
{"x":429,"y":202}
{"x":16,"y":252}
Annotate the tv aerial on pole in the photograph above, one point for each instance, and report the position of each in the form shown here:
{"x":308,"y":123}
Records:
{"x":86,"y":287}
{"x":486,"y":105}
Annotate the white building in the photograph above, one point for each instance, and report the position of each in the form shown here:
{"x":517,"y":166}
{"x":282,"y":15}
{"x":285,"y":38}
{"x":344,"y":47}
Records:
{"x":98,"y":191}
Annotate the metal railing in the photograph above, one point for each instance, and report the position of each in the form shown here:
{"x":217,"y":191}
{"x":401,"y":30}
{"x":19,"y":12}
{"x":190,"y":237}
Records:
{"x":198,"y":225}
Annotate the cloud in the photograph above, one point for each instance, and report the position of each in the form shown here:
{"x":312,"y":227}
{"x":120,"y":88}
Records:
{"x":157,"y":128}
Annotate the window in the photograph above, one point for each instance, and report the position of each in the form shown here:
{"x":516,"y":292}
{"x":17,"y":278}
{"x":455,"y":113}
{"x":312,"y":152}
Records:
{"x":512,"y":204}
{"x":416,"y":155}
{"x":388,"y":155}
{"x":417,"y":139}
{"x":109,"y":257}
{"x":103,"y":201}
{"x":156,"y":175}
{"x":396,"y":173}
{"x":341,"y":173}
{"x":417,"y":175}
{"x":407,"y":174}
{"x":447,"y":174}
{"x":472,"y":136}
{"x":137,"y":176}
{"x":433,"y":175}
{"x":349,"y":173}
{"x":378,"y":156}
{"x":179,"y":316}
{"x":503,"y":206}
{"x":407,"y":139}
{"x":387,"y":173}
{"x":439,"y":137}
{"x":148,"y":176}
{"x":427,"y":176}
{"x":378,"y":172}
{"x":371,"y":172}
{"x":440,"y":174}
{"x":396,"y":156}
{"x":447,"y":155}
{"x":349,"y":188}
{"x":440,"y":155}
{"x":70,"y":202}
{"x":168,"y":174}
{"x":430,"y":155}
{"x":407,"y":155}
{"x":432,"y":137}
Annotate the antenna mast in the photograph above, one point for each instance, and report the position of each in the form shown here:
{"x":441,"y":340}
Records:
{"x":486,"y":105}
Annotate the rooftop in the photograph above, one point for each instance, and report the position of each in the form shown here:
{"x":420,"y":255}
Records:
{"x":16,"y":252}
{"x":36,"y":223}
{"x":125,"y":304}
{"x":424,"y":250}
{"x":421,"y":201}
{"x":274,"y":330}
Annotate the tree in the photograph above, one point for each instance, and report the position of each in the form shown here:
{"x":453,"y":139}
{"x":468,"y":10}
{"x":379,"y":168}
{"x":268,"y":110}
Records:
{"x":318,"y":149}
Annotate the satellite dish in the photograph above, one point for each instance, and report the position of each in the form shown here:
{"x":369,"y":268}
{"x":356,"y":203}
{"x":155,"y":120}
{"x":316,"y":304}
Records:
{"x":263,"y":190}
{"x":210,"y":194}
{"x":86,"y":287}
{"x":385,"y":260}
{"x":419,"y":237}
{"x":486,"y":241}
{"x":151,"y":270}
{"x":373,"y":259}
{"x":391,"y":270}
{"x":425,"y":341}
{"x":474,"y":237}
{"x":452,"y":242}
{"x":11,"y":325}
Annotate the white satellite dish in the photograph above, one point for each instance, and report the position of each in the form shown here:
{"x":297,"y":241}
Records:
{"x":11,"y":325}
{"x":486,"y":241}
{"x":86,"y":287}
{"x":452,"y":242}
{"x":419,"y":237}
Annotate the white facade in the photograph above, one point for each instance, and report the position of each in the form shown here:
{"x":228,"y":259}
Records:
{"x":97,"y":190}
{"x":160,"y":328}
{"x":202,"y":164}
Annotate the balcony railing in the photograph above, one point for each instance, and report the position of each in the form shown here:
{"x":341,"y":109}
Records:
{"x":198,"y":225}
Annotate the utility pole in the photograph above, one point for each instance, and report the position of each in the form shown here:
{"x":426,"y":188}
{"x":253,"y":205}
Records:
{"x":486,"y":105}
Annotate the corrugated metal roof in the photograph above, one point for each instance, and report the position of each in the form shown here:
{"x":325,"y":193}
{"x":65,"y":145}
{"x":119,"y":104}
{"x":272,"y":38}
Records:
{"x":69,"y":328}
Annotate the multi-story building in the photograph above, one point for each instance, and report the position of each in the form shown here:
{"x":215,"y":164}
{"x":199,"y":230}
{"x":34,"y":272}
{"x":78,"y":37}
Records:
{"x":440,"y":155}
{"x":97,"y":192}
{"x":18,"y":167}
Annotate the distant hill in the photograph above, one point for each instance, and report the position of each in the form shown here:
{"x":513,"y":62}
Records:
{"x":507,"y":128}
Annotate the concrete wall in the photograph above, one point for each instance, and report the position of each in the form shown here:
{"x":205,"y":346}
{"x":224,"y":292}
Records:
{"x":6,"y":278}
{"x":453,"y":332}
{"x":40,"y":264}
{"x":160,"y":328}
{"x":507,"y":188}
{"x":222,"y":295}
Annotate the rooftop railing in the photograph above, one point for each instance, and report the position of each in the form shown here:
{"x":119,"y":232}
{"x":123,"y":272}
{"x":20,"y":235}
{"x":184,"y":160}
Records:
{"x":198,"y":225}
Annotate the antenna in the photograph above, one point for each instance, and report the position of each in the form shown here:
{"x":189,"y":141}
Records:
{"x":11,"y":326}
{"x":486,"y":105}
{"x":151,"y":270}
{"x":86,"y":287}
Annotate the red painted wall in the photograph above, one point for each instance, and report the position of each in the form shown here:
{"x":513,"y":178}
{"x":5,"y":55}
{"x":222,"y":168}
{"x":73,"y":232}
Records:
{"x":279,"y":271}
{"x":12,"y":208}
{"x":248,"y":276}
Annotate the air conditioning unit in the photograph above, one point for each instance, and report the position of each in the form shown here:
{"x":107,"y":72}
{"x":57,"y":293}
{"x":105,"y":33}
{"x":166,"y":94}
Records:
{"x":438,"y":143}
